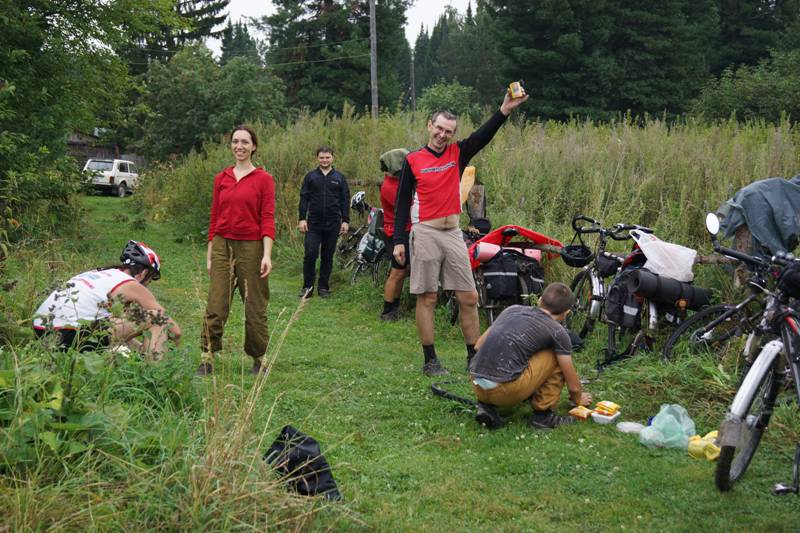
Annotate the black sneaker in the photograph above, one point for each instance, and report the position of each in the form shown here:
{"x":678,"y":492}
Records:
{"x":391,"y":316}
{"x":306,"y":292}
{"x":323,"y":293}
{"x":549,"y":420}
{"x":434,"y":368}
{"x":204,"y":369}
{"x":487,"y":415}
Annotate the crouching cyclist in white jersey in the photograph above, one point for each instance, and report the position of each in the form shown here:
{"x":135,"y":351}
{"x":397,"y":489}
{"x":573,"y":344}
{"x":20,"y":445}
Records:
{"x":79,"y":313}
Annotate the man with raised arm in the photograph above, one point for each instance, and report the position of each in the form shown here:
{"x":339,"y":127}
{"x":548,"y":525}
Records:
{"x":429,"y":195}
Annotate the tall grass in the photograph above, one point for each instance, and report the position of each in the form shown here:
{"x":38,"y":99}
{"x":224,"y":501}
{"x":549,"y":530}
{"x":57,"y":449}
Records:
{"x":538,"y":174}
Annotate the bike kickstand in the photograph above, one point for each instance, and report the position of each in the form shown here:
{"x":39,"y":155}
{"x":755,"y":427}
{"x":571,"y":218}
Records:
{"x":782,"y":488}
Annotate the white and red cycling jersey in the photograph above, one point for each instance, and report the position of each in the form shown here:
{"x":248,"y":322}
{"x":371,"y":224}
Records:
{"x":83,"y":298}
{"x":436,"y":194}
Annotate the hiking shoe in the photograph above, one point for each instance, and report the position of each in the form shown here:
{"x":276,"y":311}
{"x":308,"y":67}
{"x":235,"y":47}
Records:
{"x":258,"y":368}
{"x":549,"y":420}
{"x":487,"y":415}
{"x":204,"y":369}
{"x":434,"y":368}
{"x":323,"y":293}
{"x":391,"y":316}
{"x":306,"y":292}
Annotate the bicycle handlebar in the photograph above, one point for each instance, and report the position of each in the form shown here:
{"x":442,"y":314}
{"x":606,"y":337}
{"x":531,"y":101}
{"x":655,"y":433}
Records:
{"x":594,"y":227}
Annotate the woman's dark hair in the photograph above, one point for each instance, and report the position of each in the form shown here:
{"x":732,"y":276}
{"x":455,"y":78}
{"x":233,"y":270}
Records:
{"x":248,"y":129}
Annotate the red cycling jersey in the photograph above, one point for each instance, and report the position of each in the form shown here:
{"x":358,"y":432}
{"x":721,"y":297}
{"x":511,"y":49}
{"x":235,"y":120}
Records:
{"x":437,"y":187}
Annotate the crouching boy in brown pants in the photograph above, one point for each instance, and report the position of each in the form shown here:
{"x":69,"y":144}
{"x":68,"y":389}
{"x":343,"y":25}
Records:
{"x":526,"y":355}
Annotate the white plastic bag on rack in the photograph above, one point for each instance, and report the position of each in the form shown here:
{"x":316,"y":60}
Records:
{"x":666,"y":258}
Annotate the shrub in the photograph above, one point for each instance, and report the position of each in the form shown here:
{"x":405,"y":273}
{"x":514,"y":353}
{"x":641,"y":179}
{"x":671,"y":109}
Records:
{"x":769,"y":91}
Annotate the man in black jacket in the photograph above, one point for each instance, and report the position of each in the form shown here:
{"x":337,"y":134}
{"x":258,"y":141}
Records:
{"x":324,"y":215}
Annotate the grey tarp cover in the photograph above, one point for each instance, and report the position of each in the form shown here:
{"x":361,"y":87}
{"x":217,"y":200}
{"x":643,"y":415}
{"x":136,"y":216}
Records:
{"x":771,"y":210}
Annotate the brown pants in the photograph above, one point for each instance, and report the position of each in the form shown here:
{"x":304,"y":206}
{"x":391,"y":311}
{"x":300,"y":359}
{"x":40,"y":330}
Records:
{"x":541,"y":382}
{"x":236,"y":264}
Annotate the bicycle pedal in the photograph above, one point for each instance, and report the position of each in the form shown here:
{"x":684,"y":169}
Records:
{"x":781,"y":489}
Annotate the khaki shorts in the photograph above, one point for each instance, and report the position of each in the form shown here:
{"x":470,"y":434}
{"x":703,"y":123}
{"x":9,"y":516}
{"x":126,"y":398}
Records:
{"x":439,"y":257}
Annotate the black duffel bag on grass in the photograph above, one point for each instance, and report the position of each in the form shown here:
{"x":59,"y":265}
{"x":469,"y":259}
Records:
{"x":297,"y":457}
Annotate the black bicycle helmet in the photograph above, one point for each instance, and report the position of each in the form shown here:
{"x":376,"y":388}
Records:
{"x":138,"y":253}
{"x":577,"y":255}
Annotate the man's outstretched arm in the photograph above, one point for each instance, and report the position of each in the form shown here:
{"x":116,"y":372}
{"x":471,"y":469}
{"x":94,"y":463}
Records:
{"x":483,"y":135}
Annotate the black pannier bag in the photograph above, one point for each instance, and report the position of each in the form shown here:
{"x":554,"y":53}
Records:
{"x":531,"y":273}
{"x":373,"y":242}
{"x":297,"y":457}
{"x":622,"y":307}
{"x":500,"y":276}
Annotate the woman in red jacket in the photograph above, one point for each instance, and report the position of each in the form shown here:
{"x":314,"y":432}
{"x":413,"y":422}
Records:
{"x":240,"y":235}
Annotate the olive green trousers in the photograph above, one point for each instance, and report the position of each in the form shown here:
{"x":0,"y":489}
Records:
{"x":236,"y":264}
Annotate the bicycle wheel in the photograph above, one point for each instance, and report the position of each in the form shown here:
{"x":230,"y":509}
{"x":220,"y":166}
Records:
{"x":580,"y":320}
{"x":734,"y":460}
{"x":451,"y":305}
{"x":694,"y":337}
{"x":380,"y":270}
{"x":361,"y":267}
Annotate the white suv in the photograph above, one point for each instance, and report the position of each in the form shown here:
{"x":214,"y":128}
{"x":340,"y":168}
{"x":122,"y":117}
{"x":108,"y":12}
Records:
{"x":116,"y":175}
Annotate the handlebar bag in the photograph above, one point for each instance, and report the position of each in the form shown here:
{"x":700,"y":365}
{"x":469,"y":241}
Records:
{"x":607,"y":266}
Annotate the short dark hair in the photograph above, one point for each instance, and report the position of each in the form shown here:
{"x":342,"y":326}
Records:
{"x":444,"y":114}
{"x":248,"y":129}
{"x":557,"y":298}
{"x":324,"y":150}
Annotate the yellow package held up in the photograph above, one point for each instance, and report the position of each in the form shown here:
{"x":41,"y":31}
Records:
{"x":704,"y":447}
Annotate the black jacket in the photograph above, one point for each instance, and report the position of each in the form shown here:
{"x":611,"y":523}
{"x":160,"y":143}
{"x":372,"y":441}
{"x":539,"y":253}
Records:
{"x":324,"y":199}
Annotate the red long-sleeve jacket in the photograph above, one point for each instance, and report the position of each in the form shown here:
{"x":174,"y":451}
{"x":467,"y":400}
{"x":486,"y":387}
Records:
{"x":243,"y":210}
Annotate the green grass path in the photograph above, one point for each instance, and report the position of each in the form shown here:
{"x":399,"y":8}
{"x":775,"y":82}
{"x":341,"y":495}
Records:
{"x":405,"y":460}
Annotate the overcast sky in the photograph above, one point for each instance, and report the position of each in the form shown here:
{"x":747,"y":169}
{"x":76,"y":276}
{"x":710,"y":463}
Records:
{"x":424,"y":12}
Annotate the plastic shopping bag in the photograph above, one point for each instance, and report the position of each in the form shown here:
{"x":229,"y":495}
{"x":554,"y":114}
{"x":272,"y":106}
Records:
{"x":670,"y":428}
{"x":666,"y":258}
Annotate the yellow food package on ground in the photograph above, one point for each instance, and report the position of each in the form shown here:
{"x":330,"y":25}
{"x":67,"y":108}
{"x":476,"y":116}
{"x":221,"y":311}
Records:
{"x":704,"y":447}
{"x":606,"y":408}
{"x":580,"y":412}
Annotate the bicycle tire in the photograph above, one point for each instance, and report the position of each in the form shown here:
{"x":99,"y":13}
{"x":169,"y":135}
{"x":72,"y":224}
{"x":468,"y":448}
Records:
{"x":579,"y":320}
{"x":731,"y":465}
{"x":380,"y":270}
{"x":359,"y":269}
{"x":451,"y":305}
{"x":693,"y":332}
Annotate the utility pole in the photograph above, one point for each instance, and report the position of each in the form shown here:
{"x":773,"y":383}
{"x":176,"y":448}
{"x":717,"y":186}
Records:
{"x":373,"y":58}
{"x":413,"y":87}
